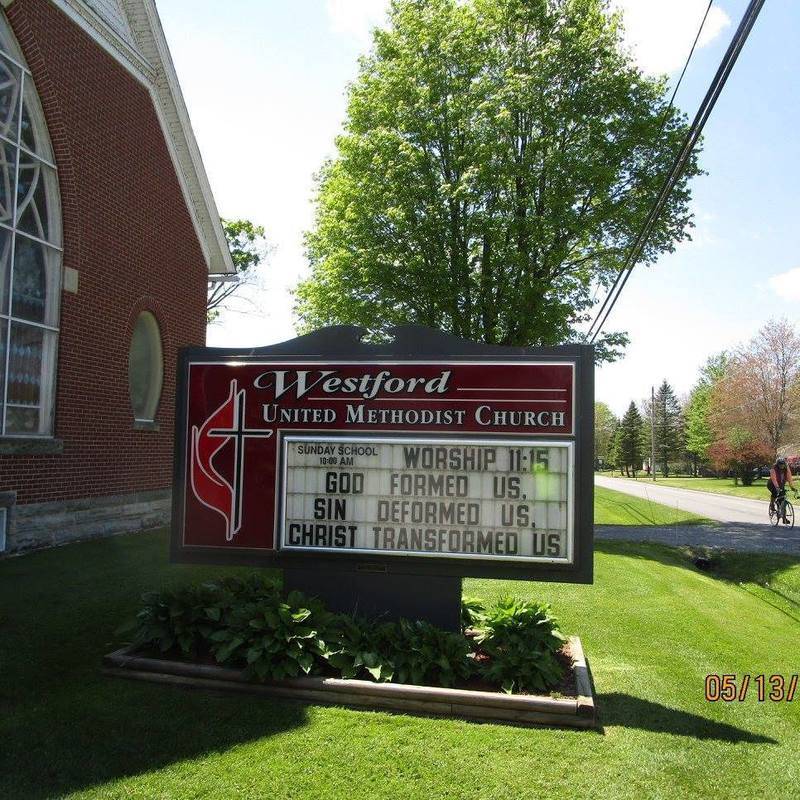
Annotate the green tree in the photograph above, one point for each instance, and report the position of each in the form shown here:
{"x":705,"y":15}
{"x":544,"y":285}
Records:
{"x":629,"y":441}
{"x":615,"y":452}
{"x":668,"y":423}
{"x":497,"y":160}
{"x":739,"y":451}
{"x":605,"y":424}
{"x":715,"y":368}
{"x":699,"y":435}
{"x":698,"y":431}
{"x":760,"y":391}
{"x":248,"y":249}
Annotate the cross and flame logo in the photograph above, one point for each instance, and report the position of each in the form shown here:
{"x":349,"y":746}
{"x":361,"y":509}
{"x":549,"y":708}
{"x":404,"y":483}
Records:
{"x":210,"y":486}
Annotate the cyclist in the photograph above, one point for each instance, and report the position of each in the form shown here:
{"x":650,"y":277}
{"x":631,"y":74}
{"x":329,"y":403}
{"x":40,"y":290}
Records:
{"x":779,"y":476}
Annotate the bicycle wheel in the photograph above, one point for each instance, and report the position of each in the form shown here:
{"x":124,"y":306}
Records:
{"x":788,"y":515}
{"x":774,"y":515}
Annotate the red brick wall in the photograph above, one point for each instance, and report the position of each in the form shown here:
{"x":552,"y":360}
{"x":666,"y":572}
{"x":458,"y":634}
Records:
{"x":128,"y":233}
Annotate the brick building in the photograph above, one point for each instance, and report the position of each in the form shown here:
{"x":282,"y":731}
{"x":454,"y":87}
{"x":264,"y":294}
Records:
{"x":108,"y":232}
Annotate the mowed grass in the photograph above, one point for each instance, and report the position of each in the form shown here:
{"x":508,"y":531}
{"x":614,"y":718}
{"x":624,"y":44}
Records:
{"x":652,"y":627}
{"x":617,"y":508}
{"x":773,"y":577}
{"x":758,"y":491}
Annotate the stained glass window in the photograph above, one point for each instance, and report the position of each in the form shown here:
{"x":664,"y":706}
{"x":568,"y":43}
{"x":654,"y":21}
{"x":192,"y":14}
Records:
{"x":30,"y":252}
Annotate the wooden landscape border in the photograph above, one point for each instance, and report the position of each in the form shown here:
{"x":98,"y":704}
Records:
{"x":575,"y":712}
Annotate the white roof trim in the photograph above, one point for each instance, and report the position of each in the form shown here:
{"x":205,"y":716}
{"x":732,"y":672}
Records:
{"x":91,"y":22}
{"x":179,"y":131}
{"x":151,"y":64}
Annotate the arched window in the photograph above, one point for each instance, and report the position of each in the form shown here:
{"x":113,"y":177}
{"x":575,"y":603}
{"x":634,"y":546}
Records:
{"x":145,"y":367}
{"x":30,"y":251}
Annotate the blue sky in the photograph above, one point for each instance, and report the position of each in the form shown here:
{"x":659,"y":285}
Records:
{"x":264,"y":82}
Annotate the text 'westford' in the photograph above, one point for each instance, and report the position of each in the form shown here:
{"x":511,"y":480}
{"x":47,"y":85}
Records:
{"x":301,"y":382}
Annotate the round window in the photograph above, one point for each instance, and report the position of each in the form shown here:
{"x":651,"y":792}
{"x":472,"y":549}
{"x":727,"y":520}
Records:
{"x":145,"y":367}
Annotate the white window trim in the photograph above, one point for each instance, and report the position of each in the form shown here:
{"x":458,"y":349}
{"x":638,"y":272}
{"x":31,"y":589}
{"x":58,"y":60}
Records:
{"x":47,"y":389}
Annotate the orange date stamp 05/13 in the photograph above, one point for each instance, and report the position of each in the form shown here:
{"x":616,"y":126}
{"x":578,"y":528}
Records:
{"x":735,"y":688}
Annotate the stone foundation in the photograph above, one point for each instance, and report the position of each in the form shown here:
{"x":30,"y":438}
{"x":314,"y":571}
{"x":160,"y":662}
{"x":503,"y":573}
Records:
{"x":35,"y":525}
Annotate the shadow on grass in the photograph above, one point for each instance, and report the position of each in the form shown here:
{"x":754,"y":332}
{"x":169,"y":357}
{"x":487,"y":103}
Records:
{"x":634,"y":514}
{"x":670,"y":555}
{"x":112,"y":729}
{"x":634,"y":712}
{"x":765,"y":570}
{"x":63,"y":726}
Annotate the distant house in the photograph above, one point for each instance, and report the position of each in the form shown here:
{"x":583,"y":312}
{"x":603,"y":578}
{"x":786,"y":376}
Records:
{"x":108,"y":232}
{"x":792,"y":459}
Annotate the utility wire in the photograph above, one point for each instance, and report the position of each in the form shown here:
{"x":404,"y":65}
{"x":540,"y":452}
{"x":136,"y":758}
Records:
{"x":689,"y":57}
{"x":664,"y":120}
{"x":689,"y":142}
{"x":620,"y":277}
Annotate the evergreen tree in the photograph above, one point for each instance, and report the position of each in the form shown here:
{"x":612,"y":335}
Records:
{"x":668,"y":423}
{"x":630,"y":450}
{"x":615,"y":451}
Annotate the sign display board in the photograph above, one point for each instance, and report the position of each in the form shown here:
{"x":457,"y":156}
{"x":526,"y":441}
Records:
{"x":433,"y":497}
{"x":427,"y":455}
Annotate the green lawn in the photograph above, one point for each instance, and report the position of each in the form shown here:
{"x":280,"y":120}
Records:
{"x":618,"y":508}
{"x":775,"y":578}
{"x":758,"y":491}
{"x":651,"y":624}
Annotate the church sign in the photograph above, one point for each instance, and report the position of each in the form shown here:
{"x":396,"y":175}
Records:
{"x":425,"y":455}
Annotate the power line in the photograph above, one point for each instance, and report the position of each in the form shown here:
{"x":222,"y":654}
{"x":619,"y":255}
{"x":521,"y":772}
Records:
{"x":664,"y":120}
{"x":689,"y":57}
{"x":689,"y":142}
{"x":622,"y":274}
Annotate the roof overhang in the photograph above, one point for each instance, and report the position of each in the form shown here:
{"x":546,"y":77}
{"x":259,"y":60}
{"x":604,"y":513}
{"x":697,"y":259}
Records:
{"x":131,"y":31}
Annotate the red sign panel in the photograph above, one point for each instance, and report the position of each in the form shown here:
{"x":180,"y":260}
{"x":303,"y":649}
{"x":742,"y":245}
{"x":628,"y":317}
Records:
{"x":238,"y":413}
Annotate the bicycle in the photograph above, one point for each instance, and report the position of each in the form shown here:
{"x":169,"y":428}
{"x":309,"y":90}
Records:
{"x":782,"y":510}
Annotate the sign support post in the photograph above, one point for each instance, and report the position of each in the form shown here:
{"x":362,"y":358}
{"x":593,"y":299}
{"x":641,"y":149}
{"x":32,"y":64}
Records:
{"x":376,"y":593}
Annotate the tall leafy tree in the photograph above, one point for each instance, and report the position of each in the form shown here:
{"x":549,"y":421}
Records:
{"x":699,"y":434}
{"x":739,"y":451}
{"x":248,"y":248}
{"x":760,"y":392}
{"x":697,"y":412}
{"x":715,"y":368}
{"x":668,"y":425}
{"x":497,"y":160}
{"x":630,"y":441}
{"x":605,"y":425}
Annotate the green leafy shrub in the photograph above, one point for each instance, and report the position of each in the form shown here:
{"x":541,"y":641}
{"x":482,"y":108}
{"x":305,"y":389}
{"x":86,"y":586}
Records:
{"x":358,"y":649}
{"x":246,"y":623}
{"x":273,"y":638}
{"x":185,"y":618}
{"x":472,"y":611}
{"x":424,"y":654}
{"x":520,"y":639}
{"x":402,"y":651}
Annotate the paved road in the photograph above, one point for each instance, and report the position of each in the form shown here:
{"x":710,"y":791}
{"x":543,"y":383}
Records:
{"x":728,"y":536}
{"x":742,"y":524}
{"x":721,"y":507}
